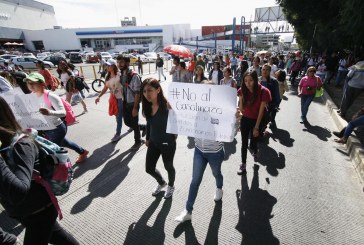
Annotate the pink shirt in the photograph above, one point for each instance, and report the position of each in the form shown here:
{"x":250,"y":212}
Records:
{"x":308,"y":85}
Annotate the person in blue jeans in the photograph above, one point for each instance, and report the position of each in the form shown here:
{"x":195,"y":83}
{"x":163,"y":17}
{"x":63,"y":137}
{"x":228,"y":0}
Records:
{"x":206,"y":152}
{"x":357,"y":120}
{"x":55,"y":111}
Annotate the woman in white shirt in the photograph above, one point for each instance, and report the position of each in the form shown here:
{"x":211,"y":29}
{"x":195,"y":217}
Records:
{"x":68,"y":81}
{"x":114,"y":85}
{"x":55,"y":111}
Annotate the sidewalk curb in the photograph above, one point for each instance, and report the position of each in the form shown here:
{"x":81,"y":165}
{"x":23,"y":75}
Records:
{"x":353,"y":145}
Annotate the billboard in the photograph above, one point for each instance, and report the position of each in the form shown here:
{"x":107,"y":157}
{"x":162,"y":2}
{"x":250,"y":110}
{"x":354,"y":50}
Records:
{"x":269,"y":14}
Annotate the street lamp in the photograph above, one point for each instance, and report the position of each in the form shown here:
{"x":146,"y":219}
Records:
{"x":242,"y":33}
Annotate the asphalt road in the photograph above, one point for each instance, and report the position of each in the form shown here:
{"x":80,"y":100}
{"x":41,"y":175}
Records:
{"x":303,"y":189}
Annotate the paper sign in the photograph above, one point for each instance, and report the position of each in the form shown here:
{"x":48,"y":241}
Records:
{"x":202,"y":111}
{"x":26,"y":110}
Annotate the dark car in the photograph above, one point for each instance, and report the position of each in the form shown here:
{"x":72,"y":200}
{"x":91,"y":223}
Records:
{"x":54,"y":59}
{"x":75,"y":57}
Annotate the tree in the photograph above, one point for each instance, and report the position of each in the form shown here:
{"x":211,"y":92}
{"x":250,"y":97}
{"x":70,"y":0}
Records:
{"x":338,"y":24}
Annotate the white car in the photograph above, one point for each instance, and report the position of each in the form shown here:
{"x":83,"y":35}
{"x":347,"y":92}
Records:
{"x":165,"y":56}
{"x":151,"y":56}
{"x":7,"y":56}
{"x":29,"y":55}
{"x":143,"y":58}
{"x":43,"y":55}
{"x":29,"y":63}
{"x":115,"y":55}
{"x":105,"y":55}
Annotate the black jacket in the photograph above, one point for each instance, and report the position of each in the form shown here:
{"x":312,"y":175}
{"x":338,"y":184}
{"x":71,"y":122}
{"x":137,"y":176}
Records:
{"x":219,"y":76}
{"x":19,"y":195}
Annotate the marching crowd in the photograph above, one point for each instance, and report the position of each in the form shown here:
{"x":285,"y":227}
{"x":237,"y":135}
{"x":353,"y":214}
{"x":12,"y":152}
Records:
{"x":260,"y":88}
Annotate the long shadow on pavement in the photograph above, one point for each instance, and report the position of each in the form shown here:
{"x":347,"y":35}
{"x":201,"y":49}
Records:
{"x":321,"y":133}
{"x":212,"y":236}
{"x":99,"y":156}
{"x":190,"y":235}
{"x":281,"y":135}
{"x":270,"y":158}
{"x":140,"y":233}
{"x":255,"y":208}
{"x":106,"y":181}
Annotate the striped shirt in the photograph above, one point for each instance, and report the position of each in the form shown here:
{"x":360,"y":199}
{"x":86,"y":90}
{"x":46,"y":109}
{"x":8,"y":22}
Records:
{"x":208,"y":146}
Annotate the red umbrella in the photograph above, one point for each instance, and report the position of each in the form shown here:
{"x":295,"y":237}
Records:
{"x":178,"y":50}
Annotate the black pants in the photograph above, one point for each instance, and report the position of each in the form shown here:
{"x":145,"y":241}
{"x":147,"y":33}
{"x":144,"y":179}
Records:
{"x":7,"y":238}
{"x":167,"y":150}
{"x":130,"y":121}
{"x":42,"y":228}
{"x":246,"y":129}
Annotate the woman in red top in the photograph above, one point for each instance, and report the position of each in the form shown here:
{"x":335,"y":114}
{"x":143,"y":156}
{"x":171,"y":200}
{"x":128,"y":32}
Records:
{"x":253,"y":99}
{"x":50,"y":85}
{"x":306,"y":90}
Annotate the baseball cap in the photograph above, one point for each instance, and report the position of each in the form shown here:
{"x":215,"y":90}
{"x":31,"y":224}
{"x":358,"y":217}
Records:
{"x":110,"y":62}
{"x":34,"y":77}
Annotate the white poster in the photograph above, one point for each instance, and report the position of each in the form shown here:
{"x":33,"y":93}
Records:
{"x":202,"y":111}
{"x":26,"y":110}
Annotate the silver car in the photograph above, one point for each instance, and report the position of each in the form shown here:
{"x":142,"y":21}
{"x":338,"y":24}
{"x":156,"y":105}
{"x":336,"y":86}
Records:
{"x":28,"y":63}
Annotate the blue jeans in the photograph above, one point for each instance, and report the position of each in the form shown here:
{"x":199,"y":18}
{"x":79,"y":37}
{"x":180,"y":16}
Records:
{"x":353,"y":124}
{"x":119,"y":116}
{"x":200,"y":161}
{"x":305,"y":103}
{"x":58,"y":136}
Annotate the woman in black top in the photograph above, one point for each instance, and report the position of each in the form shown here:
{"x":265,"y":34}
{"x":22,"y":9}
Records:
{"x":155,"y":110}
{"x":22,"y":198}
{"x":199,"y":74}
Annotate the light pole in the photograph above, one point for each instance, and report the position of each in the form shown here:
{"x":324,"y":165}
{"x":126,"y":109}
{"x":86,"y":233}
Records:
{"x":233,"y":35}
{"x":242,"y":33}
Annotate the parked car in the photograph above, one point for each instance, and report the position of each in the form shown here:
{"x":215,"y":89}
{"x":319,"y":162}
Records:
{"x":43,"y":55}
{"x":115,"y":55}
{"x":165,"y":56}
{"x":7,"y":56}
{"x":75,"y":57}
{"x":92,"y":58}
{"x":30,"y":55}
{"x":29,"y":63}
{"x":54,"y":59}
{"x":105,"y":55}
{"x":151,"y":56}
{"x":2,"y":60}
{"x":143,"y":58}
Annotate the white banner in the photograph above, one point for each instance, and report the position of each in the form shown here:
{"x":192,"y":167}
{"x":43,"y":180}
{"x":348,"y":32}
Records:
{"x":202,"y":111}
{"x":26,"y":110}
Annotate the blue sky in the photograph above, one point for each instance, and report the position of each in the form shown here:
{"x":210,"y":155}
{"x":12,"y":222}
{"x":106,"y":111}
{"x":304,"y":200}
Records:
{"x":107,"y":13}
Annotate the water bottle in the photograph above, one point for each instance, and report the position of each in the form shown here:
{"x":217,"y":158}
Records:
{"x":62,"y":155}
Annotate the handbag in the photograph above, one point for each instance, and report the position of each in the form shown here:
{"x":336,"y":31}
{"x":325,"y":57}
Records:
{"x":113,"y":105}
{"x":319,"y":92}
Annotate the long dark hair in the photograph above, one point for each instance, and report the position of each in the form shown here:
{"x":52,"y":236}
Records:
{"x":9,"y":127}
{"x":245,"y":90}
{"x":146,"y":105}
{"x":115,"y":69}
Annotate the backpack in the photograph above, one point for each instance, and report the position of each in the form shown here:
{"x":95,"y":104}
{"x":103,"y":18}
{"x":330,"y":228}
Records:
{"x":53,"y":168}
{"x":70,"y":117}
{"x":130,"y":76}
{"x":80,"y":84}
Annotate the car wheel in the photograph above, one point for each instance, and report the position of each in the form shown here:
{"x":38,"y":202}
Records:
{"x":47,"y":66}
{"x":21,"y":67}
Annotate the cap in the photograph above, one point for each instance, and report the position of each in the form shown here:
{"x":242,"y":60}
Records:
{"x":34,"y":77}
{"x":110,"y":62}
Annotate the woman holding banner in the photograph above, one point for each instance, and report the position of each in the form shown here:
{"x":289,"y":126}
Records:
{"x":155,"y":110}
{"x":253,"y":100}
{"x":206,"y":152}
{"x":55,"y":111}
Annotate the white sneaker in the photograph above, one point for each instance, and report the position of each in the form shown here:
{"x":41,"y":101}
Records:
{"x":184,"y":216}
{"x":158,"y":189}
{"x":169,"y":192}
{"x":218,"y":195}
